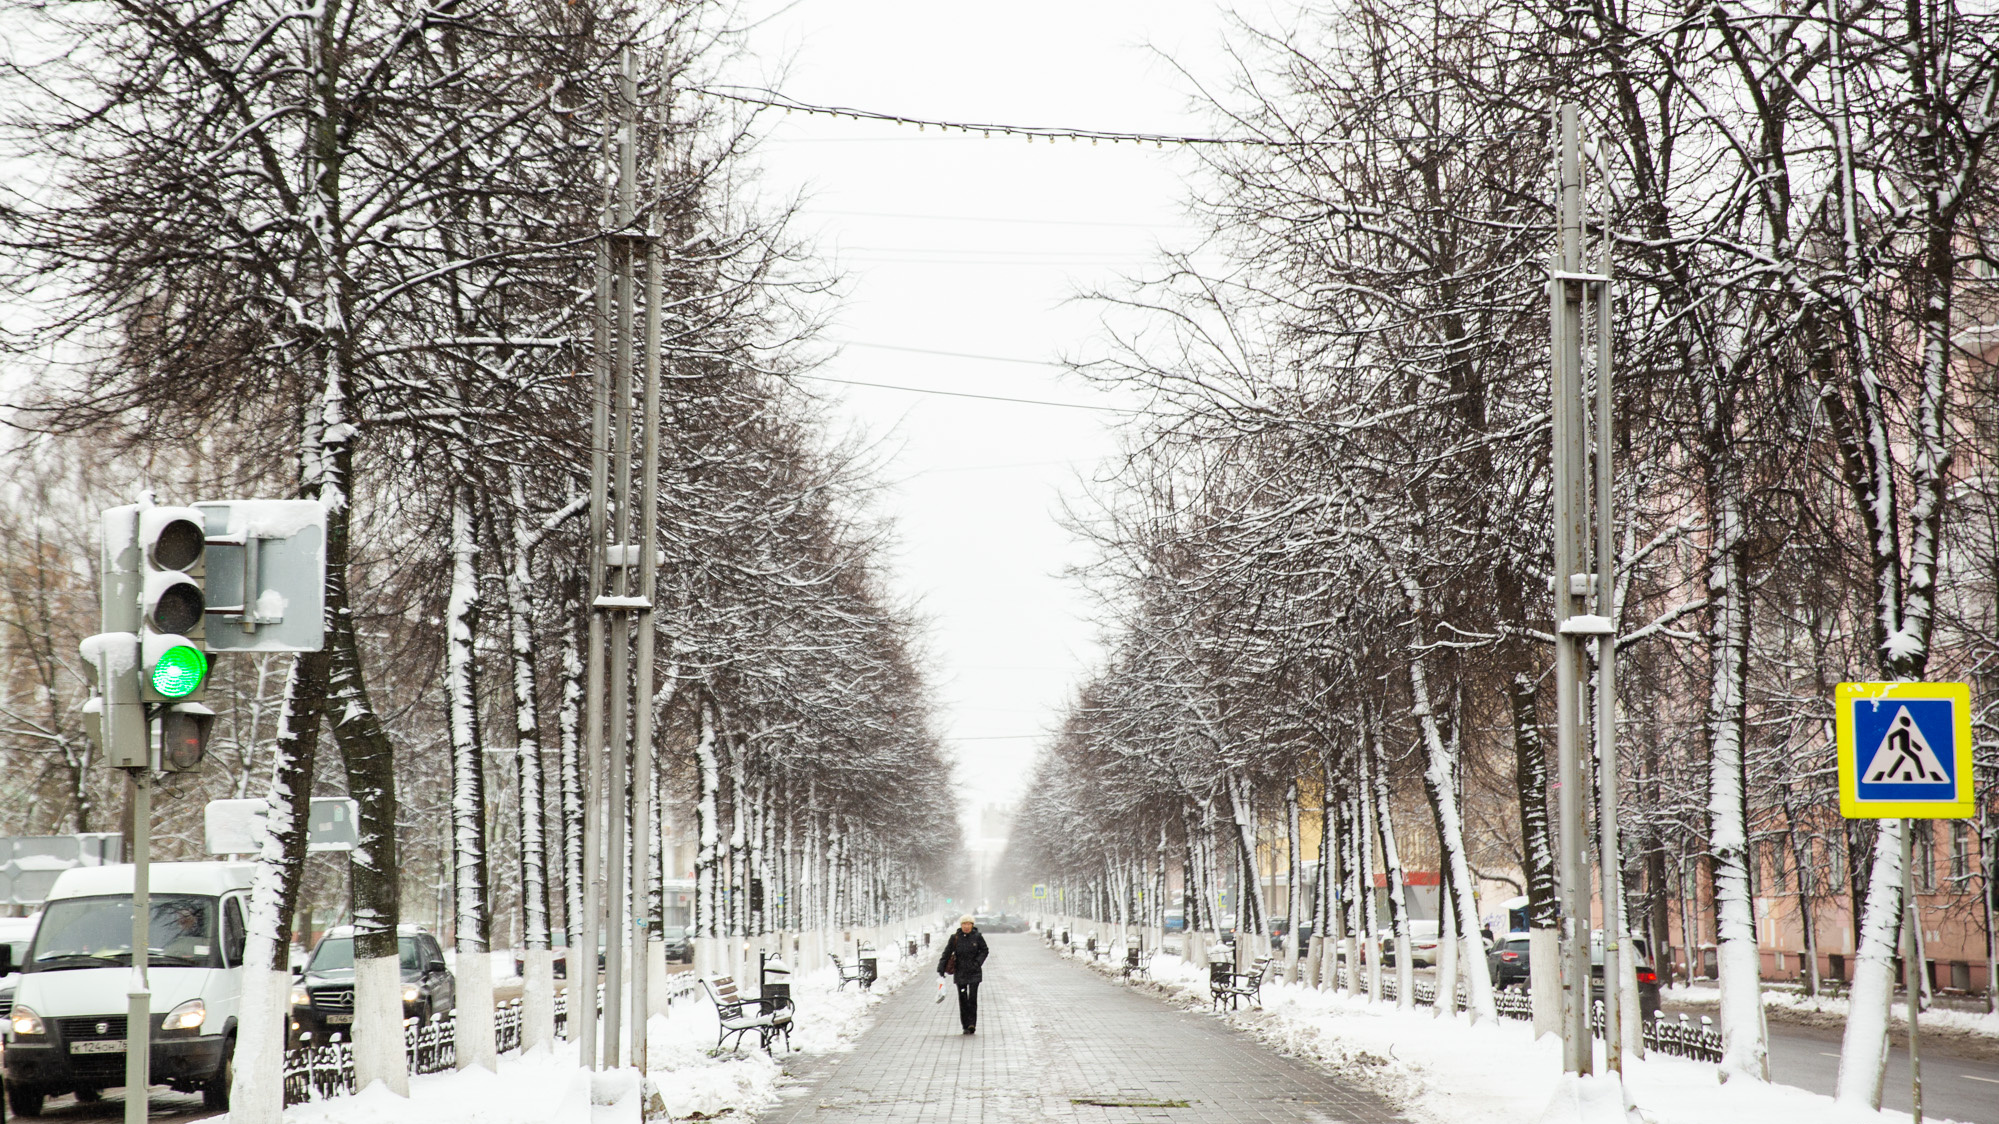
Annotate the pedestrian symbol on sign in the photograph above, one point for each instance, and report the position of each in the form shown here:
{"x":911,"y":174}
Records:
{"x":1904,"y":750}
{"x":1904,"y":756}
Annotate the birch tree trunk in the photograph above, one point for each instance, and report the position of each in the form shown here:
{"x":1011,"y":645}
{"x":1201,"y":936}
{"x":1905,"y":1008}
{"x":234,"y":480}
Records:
{"x":474,"y":1037}
{"x":256,"y":1096}
{"x":1398,"y":901}
{"x":537,"y":959}
{"x":1745,"y":1051}
{"x":1440,"y":783}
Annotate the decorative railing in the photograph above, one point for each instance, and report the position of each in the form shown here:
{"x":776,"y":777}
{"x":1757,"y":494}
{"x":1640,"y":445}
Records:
{"x":318,"y":1070}
{"x":1680,"y":1037}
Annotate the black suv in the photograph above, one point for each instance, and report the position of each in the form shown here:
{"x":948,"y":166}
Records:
{"x":323,"y":996}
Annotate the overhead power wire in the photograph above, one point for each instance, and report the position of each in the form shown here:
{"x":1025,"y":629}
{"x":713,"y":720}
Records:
{"x":761,"y":96}
{"x":969,"y":394}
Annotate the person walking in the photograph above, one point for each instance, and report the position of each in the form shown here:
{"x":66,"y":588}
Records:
{"x":964,"y":960}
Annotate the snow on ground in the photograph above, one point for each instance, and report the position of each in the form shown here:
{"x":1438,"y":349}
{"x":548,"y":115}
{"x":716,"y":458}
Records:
{"x":548,"y":1085}
{"x":1447,"y":1071}
{"x":1949,"y":1018}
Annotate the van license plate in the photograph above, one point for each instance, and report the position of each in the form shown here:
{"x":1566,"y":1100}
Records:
{"x":116,"y":1046}
{"x":339,"y":1019}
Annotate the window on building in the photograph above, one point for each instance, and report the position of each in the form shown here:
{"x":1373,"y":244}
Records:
{"x":1835,"y":864}
{"x":1960,"y":850}
{"x":1926,"y":857}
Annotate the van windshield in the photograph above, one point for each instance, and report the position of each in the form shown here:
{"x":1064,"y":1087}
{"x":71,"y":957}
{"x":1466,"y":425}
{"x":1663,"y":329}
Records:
{"x":97,"y":933}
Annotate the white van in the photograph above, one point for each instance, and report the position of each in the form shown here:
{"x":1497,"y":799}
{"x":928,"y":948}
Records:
{"x":66,"y":1033}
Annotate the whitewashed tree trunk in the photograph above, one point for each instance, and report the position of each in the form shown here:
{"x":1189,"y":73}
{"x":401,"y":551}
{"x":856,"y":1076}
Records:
{"x":1398,"y":895}
{"x":537,"y":961}
{"x":1863,"y":1051}
{"x":1440,"y":783}
{"x":474,"y":1036}
{"x":257,"y":1094}
{"x":1745,"y":1051}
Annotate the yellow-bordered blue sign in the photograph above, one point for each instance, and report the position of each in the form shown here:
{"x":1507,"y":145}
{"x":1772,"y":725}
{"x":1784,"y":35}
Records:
{"x":1904,"y":750}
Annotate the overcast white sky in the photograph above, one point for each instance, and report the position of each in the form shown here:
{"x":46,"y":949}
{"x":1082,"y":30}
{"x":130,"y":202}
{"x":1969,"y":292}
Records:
{"x":955,"y":243}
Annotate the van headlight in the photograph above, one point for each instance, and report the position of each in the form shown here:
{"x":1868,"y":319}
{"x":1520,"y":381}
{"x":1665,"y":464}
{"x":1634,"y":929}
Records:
{"x":188,"y":1016}
{"x":410,"y":993}
{"x":25,"y":1021}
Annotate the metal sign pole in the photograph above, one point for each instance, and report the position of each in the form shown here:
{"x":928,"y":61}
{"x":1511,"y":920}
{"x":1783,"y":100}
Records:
{"x":1570,"y":544}
{"x":1911,"y":963}
{"x":139,"y":1000}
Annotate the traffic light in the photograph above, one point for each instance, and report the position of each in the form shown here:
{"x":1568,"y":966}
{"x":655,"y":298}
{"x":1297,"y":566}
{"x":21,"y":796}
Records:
{"x":172,"y":605}
{"x":184,"y":735}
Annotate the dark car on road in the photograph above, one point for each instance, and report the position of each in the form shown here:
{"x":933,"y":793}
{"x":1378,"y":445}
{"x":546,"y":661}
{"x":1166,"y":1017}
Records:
{"x":323,"y":997}
{"x":1508,"y":962}
{"x":1280,"y":931}
{"x":679,"y":946}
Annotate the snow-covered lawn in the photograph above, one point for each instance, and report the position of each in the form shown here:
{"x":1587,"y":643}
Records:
{"x":548,"y":1086}
{"x":1447,"y":1071}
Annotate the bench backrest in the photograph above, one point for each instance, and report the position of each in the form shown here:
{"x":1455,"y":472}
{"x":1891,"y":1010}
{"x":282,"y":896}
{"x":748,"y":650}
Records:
{"x":723,"y":990}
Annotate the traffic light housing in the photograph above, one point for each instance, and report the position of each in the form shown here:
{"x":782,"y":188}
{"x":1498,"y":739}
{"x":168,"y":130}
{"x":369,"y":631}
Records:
{"x":184,"y":735}
{"x":173,"y":605}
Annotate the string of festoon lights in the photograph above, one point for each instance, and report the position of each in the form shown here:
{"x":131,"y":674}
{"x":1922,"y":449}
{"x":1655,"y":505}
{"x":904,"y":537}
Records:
{"x":760,"y":96}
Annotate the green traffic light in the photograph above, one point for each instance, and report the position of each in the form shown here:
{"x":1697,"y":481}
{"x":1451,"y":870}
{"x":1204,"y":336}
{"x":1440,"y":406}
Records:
{"x":179,"y":671}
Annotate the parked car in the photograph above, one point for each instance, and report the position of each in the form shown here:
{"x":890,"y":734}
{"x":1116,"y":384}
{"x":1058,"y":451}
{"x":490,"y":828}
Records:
{"x":16,"y":933}
{"x":66,"y":1031}
{"x":323,"y":997}
{"x":1280,"y":931}
{"x":679,"y":946}
{"x":1006,"y":923}
{"x":1507,"y":963}
{"x":1423,"y":943}
{"x":1509,"y":966}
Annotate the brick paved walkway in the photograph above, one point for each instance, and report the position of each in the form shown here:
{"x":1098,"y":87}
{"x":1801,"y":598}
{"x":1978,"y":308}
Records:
{"x":1053,"y":1033}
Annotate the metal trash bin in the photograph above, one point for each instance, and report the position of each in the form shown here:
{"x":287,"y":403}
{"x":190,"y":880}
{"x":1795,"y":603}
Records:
{"x":773,"y":981}
{"x":868,"y":967}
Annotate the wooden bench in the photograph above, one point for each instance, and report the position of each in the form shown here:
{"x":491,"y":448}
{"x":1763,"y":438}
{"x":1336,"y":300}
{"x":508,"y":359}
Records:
{"x":1225,"y":983}
{"x":770,"y":1018}
{"x":850,"y":973}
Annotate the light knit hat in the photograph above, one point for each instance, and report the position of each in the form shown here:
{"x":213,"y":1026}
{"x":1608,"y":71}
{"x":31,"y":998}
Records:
{"x":968,"y":919}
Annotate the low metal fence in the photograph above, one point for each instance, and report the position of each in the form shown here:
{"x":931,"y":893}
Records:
{"x":1680,"y":1036}
{"x":318,"y":1070}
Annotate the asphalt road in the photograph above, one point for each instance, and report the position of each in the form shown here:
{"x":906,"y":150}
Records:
{"x":164,"y":1105}
{"x":1954,"y":1088}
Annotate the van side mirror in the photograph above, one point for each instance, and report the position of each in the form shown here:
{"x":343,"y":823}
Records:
{"x":439,"y":966}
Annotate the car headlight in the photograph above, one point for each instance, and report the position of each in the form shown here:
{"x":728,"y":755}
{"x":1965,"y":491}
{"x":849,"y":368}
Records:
{"x":410,"y":993}
{"x":26,"y":1022}
{"x":301,"y":997}
{"x":188,"y":1016}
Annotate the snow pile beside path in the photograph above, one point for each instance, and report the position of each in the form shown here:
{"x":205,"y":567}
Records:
{"x":544,"y":1087}
{"x":826,"y":1020}
{"x":1447,"y":1071}
{"x":1950,"y":1018}
{"x":549,"y":1085}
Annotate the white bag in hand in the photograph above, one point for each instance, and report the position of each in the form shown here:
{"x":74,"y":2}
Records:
{"x":943,"y":986}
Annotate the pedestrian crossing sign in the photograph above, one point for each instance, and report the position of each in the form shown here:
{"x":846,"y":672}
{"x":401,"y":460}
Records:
{"x":1904,"y":750}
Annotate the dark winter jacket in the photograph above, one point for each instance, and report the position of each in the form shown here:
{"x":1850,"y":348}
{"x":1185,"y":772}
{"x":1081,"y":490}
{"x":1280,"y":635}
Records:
{"x":964,"y":955}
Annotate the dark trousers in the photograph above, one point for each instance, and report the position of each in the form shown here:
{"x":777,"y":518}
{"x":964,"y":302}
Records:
{"x":968,"y":1001}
